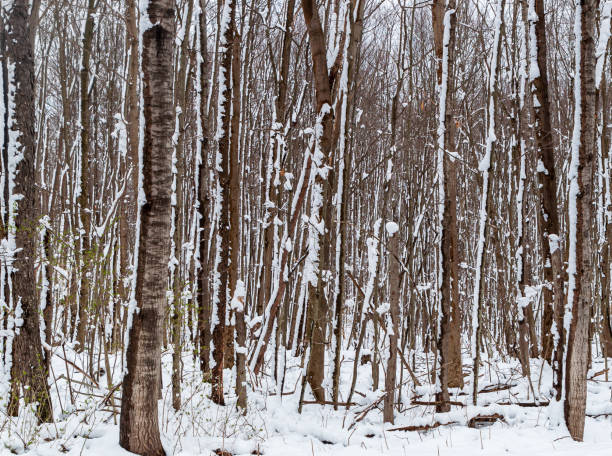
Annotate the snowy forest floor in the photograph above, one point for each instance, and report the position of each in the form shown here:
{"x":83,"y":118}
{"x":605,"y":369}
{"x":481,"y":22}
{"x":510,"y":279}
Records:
{"x":86,"y":425}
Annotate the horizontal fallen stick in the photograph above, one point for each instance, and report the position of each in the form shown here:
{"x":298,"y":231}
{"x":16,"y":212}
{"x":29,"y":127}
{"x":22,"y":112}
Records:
{"x":495,"y":388}
{"x":340,"y":404}
{"x":417,"y":402}
{"x":426,"y":427}
{"x":525,"y":404}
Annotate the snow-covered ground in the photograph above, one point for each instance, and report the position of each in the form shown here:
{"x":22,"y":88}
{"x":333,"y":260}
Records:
{"x":273,"y":425}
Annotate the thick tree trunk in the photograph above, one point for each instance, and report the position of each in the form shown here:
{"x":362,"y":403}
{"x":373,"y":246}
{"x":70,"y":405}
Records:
{"x":28,"y":370}
{"x":580,"y":202}
{"x":449,"y":340}
{"x":139,"y":428}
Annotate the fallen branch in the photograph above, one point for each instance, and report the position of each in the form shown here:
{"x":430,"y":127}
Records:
{"x":426,"y":427}
{"x":341,"y":404}
{"x":498,"y":387}
{"x":366,"y":410}
{"x":417,"y":402}
{"x":525,"y":404}
{"x":481,"y":420}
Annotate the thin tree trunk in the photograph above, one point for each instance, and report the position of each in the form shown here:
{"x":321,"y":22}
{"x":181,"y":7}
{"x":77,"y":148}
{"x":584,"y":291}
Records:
{"x":444,"y":18}
{"x":485,"y":203}
{"x":203,"y":201}
{"x":84,"y":199}
{"x":224,"y":176}
{"x":548,"y":217}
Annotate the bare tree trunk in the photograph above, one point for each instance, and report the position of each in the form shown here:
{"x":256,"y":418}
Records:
{"x":203,"y":201}
{"x":444,"y":18}
{"x":139,"y":428}
{"x":485,"y":203}
{"x":548,"y":217}
{"x":235,"y":286}
{"x":355,"y":30}
{"x":224,"y":176}
{"x":580,"y":201}
{"x":319,"y":251}
{"x":28,"y":369}
{"x":84,"y":199}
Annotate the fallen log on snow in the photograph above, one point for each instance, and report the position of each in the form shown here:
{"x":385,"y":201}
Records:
{"x":479,"y":421}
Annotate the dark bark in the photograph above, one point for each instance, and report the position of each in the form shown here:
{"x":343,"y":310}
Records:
{"x":548,"y":216}
{"x":224,"y":175}
{"x":204,"y":204}
{"x":29,"y":369}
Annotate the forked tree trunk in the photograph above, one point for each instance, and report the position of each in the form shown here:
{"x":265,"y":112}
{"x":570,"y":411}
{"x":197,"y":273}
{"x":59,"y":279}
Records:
{"x":139,"y":428}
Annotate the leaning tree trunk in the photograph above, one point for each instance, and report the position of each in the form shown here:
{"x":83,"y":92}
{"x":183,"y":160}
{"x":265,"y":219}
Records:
{"x":139,"y":428}
{"x":28,"y":369}
{"x":580,"y":204}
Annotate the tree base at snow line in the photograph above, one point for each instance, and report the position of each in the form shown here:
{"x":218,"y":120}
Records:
{"x":220,"y":452}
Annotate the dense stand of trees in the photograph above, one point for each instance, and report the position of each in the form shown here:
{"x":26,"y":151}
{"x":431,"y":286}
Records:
{"x":335,"y":181}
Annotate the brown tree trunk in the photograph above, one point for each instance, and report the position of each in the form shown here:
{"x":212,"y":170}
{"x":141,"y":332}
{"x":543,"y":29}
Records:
{"x":236,"y":287}
{"x":83,"y":200}
{"x":179,"y":308}
{"x":224,"y":175}
{"x":139,"y":428}
{"x":204,"y":203}
{"x":548,"y":216}
{"x":449,"y":341}
{"x":356,"y":32}
{"x":28,"y":370}
{"x":317,"y":301}
{"x":580,"y":202}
